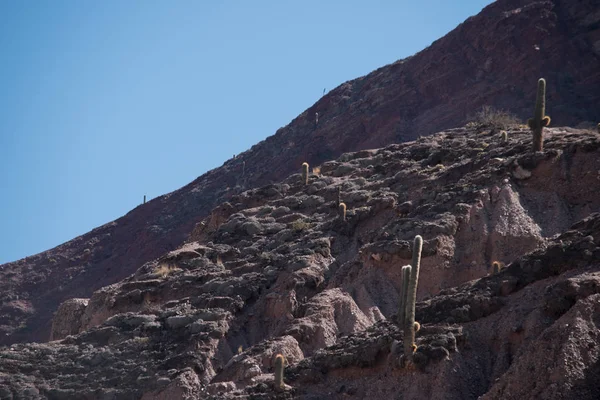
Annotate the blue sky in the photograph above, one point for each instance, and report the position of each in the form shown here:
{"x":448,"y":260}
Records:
{"x":104,"y":101}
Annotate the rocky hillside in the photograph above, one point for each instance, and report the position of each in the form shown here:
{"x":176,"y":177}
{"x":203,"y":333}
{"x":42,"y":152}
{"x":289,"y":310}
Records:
{"x":278,"y":269}
{"x":494,"y":58}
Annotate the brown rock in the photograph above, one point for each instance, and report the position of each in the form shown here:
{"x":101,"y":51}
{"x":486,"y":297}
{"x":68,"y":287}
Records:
{"x":67,"y":320}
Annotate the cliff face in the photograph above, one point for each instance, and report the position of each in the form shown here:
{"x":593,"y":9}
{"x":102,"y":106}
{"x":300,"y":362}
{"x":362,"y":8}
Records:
{"x":494,"y":58}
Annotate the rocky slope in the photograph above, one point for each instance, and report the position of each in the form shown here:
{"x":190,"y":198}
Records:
{"x":494,"y":58}
{"x":277,"y":270}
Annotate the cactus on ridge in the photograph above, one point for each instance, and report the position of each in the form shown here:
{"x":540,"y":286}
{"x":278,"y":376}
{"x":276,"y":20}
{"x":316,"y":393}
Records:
{"x":305,"y":173}
{"x":540,"y":119}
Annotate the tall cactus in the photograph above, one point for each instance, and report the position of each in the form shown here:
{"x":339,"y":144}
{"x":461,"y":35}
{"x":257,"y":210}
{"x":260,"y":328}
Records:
{"x":411,"y":298}
{"x":342,"y":211}
{"x":279,"y":365}
{"x":539,"y":120}
{"x":305,"y":173}
{"x":405,"y":273}
{"x":496,"y":267}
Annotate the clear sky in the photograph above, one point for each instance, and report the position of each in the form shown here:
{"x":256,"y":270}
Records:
{"x":102,"y":102}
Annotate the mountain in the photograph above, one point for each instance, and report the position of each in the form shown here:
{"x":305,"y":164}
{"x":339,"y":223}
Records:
{"x":494,"y":58}
{"x":281,"y":269}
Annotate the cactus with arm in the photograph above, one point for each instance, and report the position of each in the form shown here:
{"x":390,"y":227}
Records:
{"x":411,"y":298}
{"x":539,"y":120}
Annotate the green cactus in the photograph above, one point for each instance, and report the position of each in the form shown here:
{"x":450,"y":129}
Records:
{"x":305,"y":173}
{"x":411,"y":298}
{"x":504,"y":136}
{"x":539,"y":120}
{"x":405,"y":273}
{"x":279,"y":365}
{"x":342,"y":211}
{"x":144,"y":199}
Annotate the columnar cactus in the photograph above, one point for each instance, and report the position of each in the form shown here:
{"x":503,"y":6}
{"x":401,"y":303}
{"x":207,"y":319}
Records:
{"x":539,"y":120}
{"x":279,"y":365}
{"x":496,"y":267}
{"x":411,"y":298}
{"x":504,"y":136}
{"x":144,"y":199}
{"x":342,"y":211}
{"x":405,"y":273}
{"x":305,"y":173}
{"x":598,"y":127}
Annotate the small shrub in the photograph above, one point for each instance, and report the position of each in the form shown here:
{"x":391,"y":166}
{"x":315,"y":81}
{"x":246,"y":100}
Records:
{"x":299,"y":225}
{"x":165,"y":269}
{"x":489,"y":117}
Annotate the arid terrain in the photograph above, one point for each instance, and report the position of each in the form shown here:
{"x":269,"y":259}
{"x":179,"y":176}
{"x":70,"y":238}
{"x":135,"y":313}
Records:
{"x":278,"y":270}
{"x":494,"y":58}
{"x":193,"y":294}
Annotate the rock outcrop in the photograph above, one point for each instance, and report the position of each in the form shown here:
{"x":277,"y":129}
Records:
{"x":67,"y":320}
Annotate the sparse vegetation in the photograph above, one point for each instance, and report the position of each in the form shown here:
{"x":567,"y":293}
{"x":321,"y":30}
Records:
{"x":299,"y":225}
{"x":164,"y":269}
{"x":491,"y":118}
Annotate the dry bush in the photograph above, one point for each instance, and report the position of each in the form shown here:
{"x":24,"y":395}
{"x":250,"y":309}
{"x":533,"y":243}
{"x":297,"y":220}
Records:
{"x":492,"y":118}
{"x":164,"y":269}
{"x":300,"y":225}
